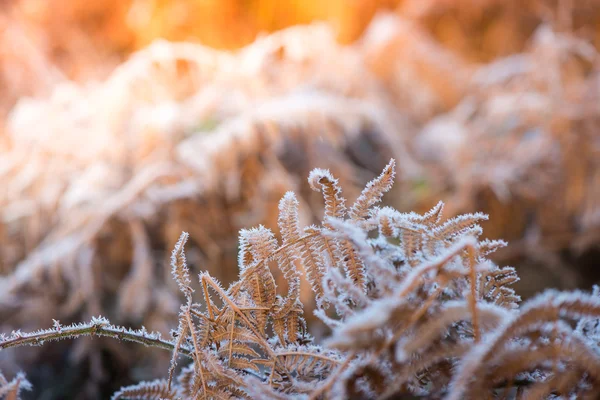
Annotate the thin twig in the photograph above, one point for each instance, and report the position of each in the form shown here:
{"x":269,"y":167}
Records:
{"x":101,"y":328}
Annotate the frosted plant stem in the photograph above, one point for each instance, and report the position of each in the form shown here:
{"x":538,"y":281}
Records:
{"x":98,"y":327}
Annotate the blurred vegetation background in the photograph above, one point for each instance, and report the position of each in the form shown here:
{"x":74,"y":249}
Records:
{"x":124,"y":122}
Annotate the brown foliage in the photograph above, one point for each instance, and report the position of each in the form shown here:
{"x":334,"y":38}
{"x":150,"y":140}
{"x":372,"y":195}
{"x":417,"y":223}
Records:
{"x":100,"y":179}
{"x":435,"y":327}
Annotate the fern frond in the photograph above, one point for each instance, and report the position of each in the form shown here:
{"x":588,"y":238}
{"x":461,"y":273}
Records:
{"x":458,"y":224}
{"x":433,"y":216}
{"x":256,"y":278}
{"x":240,"y":334}
{"x":559,"y":346}
{"x":288,"y":222}
{"x":419,"y":310}
{"x":326,"y":247}
{"x":286,"y":261}
{"x":306,"y":362}
{"x":387,"y":227}
{"x":259,"y":339}
{"x":179,"y":268}
{"x":495,"y":287}
{"x":356,"y":252}
{"x":373,"y":193}
{"x":473,"y":231}
{"x":321,"y":180}
{"x":260,"y":241}
{"x":294,"y":322}
{"x":487,"y":246}
{"x":279,"y":328}
{"x":289,"y":226}
{"x":245,"y":256}
{"x":547,"y":307}
{"x":242,"y":364}
{"x":154,"y":390}
{"x":221,"y":376}
{"x":262,"y":289}
{"x":411,"y":239}
{"x":353,"y":265}
{"x":202,"y":332}
{"x":237,"y":349}
{"x":379,"y":270}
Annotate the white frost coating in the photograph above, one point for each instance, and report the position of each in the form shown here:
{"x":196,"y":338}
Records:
{"x":364,"y":323}
{"x":547,"y":306}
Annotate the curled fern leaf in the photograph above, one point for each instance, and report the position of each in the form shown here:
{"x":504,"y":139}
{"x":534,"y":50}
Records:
{"x":322,"y":181}
{"x":155,"y":390}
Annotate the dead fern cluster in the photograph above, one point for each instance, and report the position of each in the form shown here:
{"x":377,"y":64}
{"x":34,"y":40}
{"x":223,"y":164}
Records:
{"x":182,"y":137}
{"x":414,"y":307}
{"x":86,"y":224}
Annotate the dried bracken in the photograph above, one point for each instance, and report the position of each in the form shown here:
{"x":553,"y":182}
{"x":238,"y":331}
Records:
{"x":489,"y":106}
{"x":428,"y":316}
{"x":103,"y":230}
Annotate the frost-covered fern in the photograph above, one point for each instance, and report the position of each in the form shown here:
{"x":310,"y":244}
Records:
{"x":414,"y":306}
